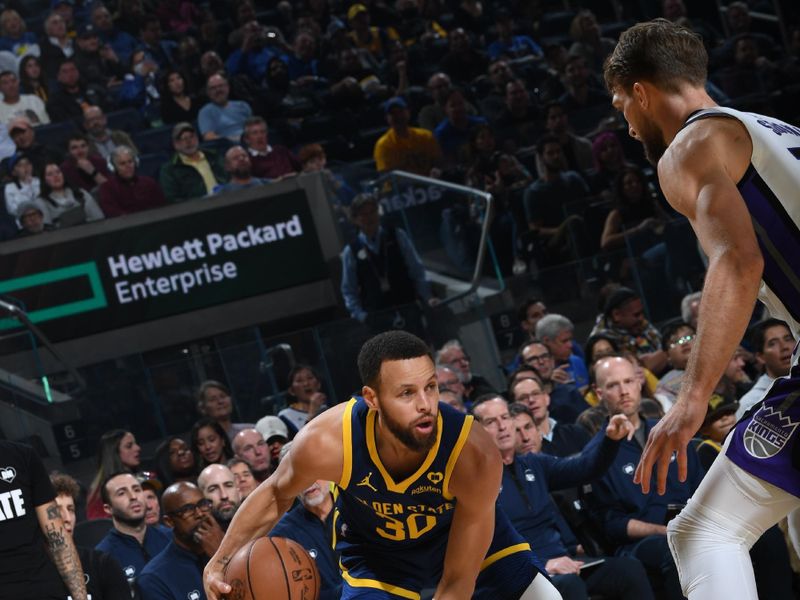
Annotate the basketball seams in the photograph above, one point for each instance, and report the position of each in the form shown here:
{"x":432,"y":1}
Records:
{"x":247,"y":567}
{"x":283,"y":566}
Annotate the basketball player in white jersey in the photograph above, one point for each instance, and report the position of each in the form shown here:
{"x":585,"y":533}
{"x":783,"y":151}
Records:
{"x":736,"y":177}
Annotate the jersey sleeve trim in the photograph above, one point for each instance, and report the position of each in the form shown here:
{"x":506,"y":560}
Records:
{"x":347,"y":444}
{"x":451,"y":462}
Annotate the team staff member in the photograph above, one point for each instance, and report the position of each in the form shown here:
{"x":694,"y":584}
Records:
{"x":102,"y":574}
{"x":418,"y":488}
{"x":310,"y":524}
{"x":31,"y":528}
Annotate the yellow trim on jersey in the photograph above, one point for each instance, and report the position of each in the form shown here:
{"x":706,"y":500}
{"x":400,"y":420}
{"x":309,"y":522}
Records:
{"x":493,"y":558}
{"x":372,"y":447}
{"x":347,"y":444}
{"x":466,"y":427}
{"x":377,"y":585}
{"x":335,"y":494}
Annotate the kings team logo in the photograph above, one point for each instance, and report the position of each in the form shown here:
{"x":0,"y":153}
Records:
{"x":768,"y":432}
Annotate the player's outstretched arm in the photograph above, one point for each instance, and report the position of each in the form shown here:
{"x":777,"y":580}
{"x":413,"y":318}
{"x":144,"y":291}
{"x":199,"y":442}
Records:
{"x":698,"y":175}
{"x":316,"y":453}
{"x":475,"y":483}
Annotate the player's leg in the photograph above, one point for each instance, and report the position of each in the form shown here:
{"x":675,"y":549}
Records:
{"x":712,"y":536}
{"x":540,"y":589}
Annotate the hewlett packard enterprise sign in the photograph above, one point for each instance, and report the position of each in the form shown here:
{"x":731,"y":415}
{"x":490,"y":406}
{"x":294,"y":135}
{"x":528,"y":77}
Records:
{"x":165,"y":267}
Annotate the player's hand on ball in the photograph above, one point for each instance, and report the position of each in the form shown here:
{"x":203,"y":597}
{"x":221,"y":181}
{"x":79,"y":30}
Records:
{"x":214,"y":580}
{"x":619,"y":427}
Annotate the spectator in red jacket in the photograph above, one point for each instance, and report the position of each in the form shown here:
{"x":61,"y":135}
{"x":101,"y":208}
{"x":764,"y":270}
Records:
{"x":125,"y":191}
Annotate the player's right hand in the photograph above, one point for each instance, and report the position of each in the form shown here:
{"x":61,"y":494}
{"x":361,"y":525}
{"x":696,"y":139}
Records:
{"x":214,"y":580}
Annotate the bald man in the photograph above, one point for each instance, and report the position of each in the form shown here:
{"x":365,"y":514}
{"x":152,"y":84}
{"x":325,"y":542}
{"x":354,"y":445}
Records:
{"x":251,"y":447}
{"x":218,"y":484}
{"x":177,"y":572}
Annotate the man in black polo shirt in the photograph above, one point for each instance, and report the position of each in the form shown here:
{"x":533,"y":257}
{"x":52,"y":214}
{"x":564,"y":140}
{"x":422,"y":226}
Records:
{"x":30,"y":528}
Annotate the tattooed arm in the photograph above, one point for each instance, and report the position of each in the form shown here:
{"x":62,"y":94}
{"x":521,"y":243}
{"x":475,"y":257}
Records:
{"x":62,"y":550}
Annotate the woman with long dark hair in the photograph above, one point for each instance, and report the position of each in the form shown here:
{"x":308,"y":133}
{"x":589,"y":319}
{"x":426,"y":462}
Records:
{"x":175,"y":461}
{"x":210,"y":443}
{"x":32,"y":79}
{"x":177,"y":103}
{"x":59,"y":199}
{"x":116,"y":452}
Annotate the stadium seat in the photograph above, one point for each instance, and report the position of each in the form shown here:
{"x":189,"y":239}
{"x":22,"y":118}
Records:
{"x":154,"y":141}
{"x":89,"y":533}
{"x":56,"y":134}
{"x":127,"y":119}
{"x":150,"y":164}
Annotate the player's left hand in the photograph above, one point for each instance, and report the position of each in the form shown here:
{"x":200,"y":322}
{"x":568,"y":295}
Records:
{"x":619,"y":427}
{"x":672,"y":434}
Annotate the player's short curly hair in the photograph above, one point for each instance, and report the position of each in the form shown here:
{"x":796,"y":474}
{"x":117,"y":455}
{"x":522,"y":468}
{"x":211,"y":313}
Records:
{"x":390,"y":345}
{"x":659,"y":52}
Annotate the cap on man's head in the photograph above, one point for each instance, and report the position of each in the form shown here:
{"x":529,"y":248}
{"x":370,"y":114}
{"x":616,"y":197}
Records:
{"x":149,"y":481}
{"x":719,"y":406}
{"x":26,"y":207}
{"x":87,"y":31}
{"x":396,"y":102}
{"x":180,"y":128}
{"x":18,"y":124}
{"x":270,"y":427}
{"x":619,"y":297}
{"x":355,"y":10}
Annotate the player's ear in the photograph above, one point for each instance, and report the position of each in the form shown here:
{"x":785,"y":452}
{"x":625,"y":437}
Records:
{"x":370,"y":397}
{"x":641,"y":94}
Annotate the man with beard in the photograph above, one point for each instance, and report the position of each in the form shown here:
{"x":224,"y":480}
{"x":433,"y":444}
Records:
{"x":418,"y":485}
{"x":240,"y":170}
{"x":191,"y":172}
{"x":218,"y":485}
{"x":177,"y":571}
{"x":130,"y":541}
{"x":310,"y":524}
{"x":250,"y":446}
{"x":623,"y":320}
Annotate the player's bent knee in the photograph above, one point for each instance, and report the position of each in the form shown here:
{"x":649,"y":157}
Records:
{"x":540,"y":589}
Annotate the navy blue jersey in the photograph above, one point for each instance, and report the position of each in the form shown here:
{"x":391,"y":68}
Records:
{"x":392,"y":535}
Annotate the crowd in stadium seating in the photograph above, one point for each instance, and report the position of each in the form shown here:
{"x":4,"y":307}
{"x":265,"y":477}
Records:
{"x":115,"y":108}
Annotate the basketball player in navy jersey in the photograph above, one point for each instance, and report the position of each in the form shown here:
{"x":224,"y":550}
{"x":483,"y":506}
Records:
{"x":418,"y":483}
{"x":736,"y":177}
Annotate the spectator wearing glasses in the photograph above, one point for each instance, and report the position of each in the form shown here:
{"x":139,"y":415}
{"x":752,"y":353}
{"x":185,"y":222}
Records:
{"x":130,"y":541}
{"x":558,"y":439}
{"x":448,"y":381}
{"x":177,"y":571}
{"x":452,"y":355}
{"x":557,"y":333}
{"x":678,"y":340}
{"x":565,"y":399}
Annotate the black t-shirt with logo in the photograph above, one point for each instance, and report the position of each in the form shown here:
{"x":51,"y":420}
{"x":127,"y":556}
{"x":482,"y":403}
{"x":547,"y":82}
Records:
{"x":26,"y":571}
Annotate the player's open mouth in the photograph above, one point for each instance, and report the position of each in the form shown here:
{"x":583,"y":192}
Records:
{"x":425,"y":426}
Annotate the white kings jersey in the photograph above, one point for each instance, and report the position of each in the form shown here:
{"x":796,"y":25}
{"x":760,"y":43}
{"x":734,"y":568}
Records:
{"x":771,"y":191}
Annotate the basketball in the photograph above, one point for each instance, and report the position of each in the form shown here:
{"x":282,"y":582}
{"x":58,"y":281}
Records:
{"x":272,"y":569}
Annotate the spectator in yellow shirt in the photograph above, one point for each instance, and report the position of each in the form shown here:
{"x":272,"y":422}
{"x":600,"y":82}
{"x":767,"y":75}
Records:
{"x":405,"y":148}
